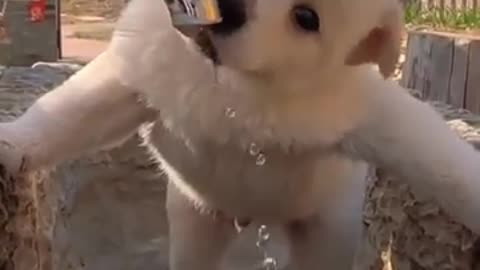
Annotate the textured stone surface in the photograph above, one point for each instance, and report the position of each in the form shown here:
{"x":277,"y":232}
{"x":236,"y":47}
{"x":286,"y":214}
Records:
{"x":407,"y":232}
{"x":26,"y":217}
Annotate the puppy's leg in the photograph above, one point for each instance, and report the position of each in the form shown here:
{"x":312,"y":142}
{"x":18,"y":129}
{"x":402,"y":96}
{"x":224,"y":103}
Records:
{"x":89,"y":111}
{"x":322,"y":245}
{"x":197,"y":241}
{"x":410,"y":139}
{"x":329,"y":239}
{"x":99,"y":106}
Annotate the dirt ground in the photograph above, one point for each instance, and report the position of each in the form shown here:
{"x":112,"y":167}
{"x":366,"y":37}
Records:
{"x":101,"y":8}
{"x":87,"y":26}
{"x":78,"y":44}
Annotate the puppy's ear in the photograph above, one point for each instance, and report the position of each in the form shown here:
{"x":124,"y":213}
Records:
{"x":382,"y":44}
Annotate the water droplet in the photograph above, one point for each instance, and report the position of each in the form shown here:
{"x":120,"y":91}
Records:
{"x":266,"y":237}
{"x":263,"y":233}
{"x":230,"y":113}
{"x":261,"y":159}
{"x":262,"y":229}
{"x":262,"y":236}
{"x":269,"y":263}
{"x":254,"y":149}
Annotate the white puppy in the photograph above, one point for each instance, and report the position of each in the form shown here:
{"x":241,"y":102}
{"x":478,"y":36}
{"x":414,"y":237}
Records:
{"x":278,"y":128}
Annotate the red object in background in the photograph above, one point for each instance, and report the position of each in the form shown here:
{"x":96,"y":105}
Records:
{"x":36,"y":10}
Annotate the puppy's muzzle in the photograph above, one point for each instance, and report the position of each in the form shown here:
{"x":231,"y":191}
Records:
{"x":194,"y":12}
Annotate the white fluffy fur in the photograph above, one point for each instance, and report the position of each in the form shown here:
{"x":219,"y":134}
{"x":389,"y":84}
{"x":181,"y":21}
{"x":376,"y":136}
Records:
{"x":317,"y":119}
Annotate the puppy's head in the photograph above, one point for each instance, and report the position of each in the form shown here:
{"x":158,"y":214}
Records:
{"x":307,"y":35}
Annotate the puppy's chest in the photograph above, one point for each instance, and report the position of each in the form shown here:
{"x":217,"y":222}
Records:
{"x":225,"y":146}
{"x":248,"y":181}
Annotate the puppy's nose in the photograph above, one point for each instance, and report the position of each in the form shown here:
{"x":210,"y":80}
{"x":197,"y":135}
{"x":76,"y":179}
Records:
{"x":194,"y":12}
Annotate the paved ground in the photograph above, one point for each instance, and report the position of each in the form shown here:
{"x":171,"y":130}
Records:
{"x":80,"y":49}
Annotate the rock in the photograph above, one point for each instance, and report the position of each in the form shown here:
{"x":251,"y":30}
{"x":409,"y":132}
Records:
{"x":404,"y":231}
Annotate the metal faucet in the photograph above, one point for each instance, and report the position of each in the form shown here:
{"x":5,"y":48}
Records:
{"x":194,"y":12}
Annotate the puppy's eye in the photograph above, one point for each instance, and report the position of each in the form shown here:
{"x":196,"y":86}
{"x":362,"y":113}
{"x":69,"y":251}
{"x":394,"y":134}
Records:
{"x":306,"y":18}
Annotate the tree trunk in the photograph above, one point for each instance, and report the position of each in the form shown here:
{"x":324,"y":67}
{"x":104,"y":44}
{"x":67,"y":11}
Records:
{"x":406,"y":232}
{"x":444,"y":67}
